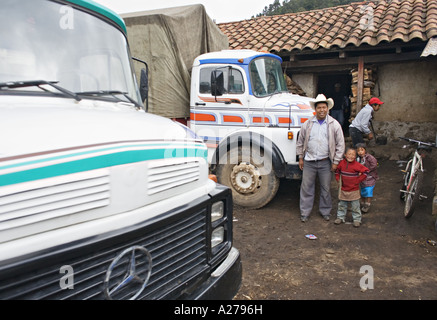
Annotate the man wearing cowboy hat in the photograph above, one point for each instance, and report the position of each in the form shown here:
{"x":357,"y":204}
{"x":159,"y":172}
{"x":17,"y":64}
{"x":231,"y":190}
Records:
{"x":360,"y":125}
{"x":320,"y":148}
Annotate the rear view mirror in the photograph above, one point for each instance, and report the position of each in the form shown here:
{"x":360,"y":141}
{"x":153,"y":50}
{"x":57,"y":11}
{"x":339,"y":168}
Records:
{"x":217,"y":83}
{"x":144,"y":84}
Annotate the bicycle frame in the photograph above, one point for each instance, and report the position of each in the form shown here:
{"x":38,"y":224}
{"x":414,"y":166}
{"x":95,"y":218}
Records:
{"x":415,"y":164}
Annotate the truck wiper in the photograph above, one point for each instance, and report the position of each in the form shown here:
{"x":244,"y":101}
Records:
{"x":38,"y":83}
{"x":111,"y":93}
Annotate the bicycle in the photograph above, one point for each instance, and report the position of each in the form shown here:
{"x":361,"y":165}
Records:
{"x":413,"y":177}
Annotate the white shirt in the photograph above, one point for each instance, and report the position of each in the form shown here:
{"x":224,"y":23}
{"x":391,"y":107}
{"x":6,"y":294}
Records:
{"x":362,"y":120}
{"x":318,"y":145}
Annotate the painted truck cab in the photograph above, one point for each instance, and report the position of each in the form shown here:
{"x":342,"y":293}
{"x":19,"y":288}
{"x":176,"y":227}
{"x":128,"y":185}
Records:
{"x":240,"y":104}
{"x":98,"y":198}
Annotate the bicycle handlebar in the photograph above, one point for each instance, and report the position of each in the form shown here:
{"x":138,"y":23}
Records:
{"x":428,"y":144}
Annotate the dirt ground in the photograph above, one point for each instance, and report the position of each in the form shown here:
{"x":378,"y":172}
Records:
{"x":280,"y":263}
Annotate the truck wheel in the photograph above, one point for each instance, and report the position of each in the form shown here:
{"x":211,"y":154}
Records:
{"x":249,"y":175}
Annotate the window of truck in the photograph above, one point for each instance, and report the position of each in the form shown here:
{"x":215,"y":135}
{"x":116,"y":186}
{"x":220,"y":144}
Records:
{"x":266,"y":77}
{"x":233,"y":80}
{"x":78,"y":51}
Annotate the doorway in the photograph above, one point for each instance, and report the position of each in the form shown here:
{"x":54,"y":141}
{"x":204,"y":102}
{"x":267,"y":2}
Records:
{"x":338,"y":87}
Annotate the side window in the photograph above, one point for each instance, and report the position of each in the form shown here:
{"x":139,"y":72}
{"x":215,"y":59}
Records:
{"x":233,"y":80}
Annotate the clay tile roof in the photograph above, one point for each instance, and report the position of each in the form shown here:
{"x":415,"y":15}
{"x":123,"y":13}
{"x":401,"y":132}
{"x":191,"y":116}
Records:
{"x":355,"y":24}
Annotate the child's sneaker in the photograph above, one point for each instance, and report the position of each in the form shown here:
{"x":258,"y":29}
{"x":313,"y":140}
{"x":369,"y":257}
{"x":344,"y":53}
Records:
{"x":365,"y":208}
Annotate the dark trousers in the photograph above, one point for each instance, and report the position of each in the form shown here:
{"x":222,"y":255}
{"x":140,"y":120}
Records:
{"x":311,"y":170}
{"x":356,"y":135}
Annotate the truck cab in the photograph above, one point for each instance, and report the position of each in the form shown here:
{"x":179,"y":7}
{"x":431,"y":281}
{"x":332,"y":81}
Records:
{"x":241,"y":108}
{"x":98,"y":198}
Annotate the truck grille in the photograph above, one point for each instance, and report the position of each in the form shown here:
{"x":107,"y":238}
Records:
{"x":24,"y":204}
{"x":177,"y":247}
{"x":164,"y":177}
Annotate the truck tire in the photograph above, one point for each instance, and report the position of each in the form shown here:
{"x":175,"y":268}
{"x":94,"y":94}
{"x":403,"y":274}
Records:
{"x":250,"y":176}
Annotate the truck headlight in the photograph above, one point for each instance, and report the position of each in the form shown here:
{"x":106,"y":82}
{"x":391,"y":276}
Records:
{"x":217,"y":210}
{"x":217,"y":236}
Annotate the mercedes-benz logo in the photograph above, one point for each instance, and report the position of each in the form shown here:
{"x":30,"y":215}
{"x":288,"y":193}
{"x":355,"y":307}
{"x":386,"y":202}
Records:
{"x":128,"y":274}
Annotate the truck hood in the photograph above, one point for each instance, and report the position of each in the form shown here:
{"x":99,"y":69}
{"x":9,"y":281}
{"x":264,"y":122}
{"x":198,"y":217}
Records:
{"x":283,"y":101}
{"x":59,"y":123}
{"x":63,"y":163}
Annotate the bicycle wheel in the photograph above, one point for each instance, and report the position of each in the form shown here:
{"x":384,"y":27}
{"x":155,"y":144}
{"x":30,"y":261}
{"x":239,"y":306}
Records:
{"x":412,"y":197}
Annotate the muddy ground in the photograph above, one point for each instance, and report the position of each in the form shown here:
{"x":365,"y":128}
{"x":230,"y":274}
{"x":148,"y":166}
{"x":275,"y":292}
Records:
{"x":280,"y":263}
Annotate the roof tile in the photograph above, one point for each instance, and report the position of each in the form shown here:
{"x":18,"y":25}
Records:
{"x":354,"y":24}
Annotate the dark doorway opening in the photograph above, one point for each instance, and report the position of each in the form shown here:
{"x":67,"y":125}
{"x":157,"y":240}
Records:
{"x":338,"y":87}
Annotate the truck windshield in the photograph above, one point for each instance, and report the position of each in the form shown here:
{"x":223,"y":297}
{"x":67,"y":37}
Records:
{"x":266,"y":77}
{"x":46,"y":40}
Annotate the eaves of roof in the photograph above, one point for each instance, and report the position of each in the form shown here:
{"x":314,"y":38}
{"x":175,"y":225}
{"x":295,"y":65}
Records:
{"x":360,"y":23}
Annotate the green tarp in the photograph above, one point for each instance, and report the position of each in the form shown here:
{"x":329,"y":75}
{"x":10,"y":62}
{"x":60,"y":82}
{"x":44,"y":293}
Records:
{"x":169,"y":40}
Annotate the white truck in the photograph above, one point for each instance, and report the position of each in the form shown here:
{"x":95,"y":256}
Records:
{"x":241,"y":108}
{"x":244,"y":106}
{"x":99,"y":199}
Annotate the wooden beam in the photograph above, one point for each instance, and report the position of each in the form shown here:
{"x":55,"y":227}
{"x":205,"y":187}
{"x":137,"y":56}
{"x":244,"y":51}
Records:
{"x":360,"y":83}
{"x":352,"y":61}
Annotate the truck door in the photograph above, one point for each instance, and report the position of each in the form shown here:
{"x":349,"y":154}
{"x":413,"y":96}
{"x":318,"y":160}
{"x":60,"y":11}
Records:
{"x":220,"y":102}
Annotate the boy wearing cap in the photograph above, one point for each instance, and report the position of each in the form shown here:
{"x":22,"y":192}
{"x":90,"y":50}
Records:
{"x":360,"y":125}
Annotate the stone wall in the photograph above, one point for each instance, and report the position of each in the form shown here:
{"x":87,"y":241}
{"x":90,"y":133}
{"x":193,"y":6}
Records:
{"x":424,"y":131}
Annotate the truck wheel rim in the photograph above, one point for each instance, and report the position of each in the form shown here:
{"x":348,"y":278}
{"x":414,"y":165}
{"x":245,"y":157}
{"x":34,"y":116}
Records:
{"x":245,"y":178}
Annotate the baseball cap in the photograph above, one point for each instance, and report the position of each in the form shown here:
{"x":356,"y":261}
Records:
{"x":375,"y":100}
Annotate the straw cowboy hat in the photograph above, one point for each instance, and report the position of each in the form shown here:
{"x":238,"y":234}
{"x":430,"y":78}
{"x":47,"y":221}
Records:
{"x":322,"y":98}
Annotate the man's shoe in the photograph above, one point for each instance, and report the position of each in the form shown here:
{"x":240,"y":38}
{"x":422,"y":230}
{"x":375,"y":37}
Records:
{"x":357,"y":224}
{"x":338,"y":221}
{"x":303,"y":218}
{"x":326,"y":218}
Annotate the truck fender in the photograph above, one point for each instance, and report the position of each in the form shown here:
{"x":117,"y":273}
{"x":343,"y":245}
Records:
{"x":252,"y":139}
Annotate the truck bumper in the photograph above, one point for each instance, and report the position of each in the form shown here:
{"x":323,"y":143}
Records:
{"x":224,"y":282}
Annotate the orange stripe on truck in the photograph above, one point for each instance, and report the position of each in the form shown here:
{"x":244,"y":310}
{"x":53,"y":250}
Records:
{"x":232,"y":119}
{"x":285,"y":120}
{"x":260,"y":120}
{"x":202,"y":117}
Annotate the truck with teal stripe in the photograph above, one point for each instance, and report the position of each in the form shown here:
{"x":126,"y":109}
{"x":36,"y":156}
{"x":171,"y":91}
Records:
{"x":99,"y":199}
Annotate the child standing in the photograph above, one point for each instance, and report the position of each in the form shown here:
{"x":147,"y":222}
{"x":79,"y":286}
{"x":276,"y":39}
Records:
{"x":350,"y":174}
{"x":367,"y":185}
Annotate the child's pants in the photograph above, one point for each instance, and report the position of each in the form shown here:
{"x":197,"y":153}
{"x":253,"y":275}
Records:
{"x":355,"y":208}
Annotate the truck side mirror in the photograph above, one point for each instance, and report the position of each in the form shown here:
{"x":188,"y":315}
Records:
{"x":144,"y":84}
{"x":217,"y":83}
{"x":144,"y":87}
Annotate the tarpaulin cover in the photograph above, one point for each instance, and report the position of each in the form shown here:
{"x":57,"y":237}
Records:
{"x":169,"y":40}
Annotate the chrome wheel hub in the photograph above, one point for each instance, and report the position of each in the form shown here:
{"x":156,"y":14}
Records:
{"x":245,"y":178}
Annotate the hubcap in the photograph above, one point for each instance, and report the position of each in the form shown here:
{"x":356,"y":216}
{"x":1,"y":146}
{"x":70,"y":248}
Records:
{"x":245,"y":178}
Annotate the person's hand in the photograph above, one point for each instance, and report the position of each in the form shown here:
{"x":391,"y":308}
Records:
{"x":300,"y":163}
{"x":334,"y":167}
{"x":370,"y":136}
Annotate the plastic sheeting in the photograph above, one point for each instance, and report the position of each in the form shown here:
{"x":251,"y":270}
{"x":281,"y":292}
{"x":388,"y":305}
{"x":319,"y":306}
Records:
{"x":431,"y":48}
{"x":169,"y":40}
